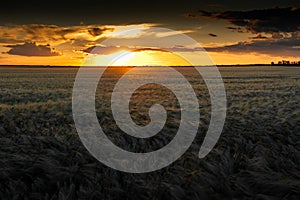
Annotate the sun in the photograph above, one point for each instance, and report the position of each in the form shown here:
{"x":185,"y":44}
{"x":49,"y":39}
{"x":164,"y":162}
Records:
{"x":123,"y":58}
{"x":141,"y":58}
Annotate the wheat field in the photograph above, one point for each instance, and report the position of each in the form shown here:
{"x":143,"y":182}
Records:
{"x":257,"y":156}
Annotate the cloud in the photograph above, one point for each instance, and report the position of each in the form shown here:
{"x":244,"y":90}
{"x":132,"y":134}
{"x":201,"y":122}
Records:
{"x":184,"y":49}
{"x":44,"y":34}
{"x":237,"y":29}
{"x":258,"y":37}
{"x":148,"y":49}
{"x":277,"y":30}
{"x":273,"y":47}
{"x":212,"y":35}
{"x":32,"y":49}
{"x":105,"y":50}
{"x":259,"y":21}
{"x":96,"y":31}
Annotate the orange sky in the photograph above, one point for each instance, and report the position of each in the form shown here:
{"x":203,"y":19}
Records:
{"x":70,"y":45}
{"x":231,"y":32}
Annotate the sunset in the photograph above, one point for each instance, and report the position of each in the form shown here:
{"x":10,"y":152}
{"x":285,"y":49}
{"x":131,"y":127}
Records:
{"x":257,"y":33}
{"x":139,"y":100}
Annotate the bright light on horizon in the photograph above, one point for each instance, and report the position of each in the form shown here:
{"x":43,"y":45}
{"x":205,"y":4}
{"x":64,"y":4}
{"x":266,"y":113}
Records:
{"x":139,"y":58}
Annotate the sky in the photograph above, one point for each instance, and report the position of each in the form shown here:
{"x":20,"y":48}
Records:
{"x":87,"y":32}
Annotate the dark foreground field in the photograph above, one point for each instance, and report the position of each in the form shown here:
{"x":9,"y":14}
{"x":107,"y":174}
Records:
{"x":257,"y":156}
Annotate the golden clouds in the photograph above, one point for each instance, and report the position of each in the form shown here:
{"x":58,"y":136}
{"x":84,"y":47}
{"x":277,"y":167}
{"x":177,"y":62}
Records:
{"x":53,"y":34}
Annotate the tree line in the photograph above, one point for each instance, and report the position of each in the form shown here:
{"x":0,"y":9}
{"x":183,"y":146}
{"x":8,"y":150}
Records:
{"x":286,"y":62}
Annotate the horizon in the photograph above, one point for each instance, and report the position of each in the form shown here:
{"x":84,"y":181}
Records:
{"x":218,"y":65}
{"x":229,"y":33}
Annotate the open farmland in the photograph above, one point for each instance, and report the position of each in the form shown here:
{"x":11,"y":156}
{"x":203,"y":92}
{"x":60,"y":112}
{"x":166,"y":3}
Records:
{"x":257,"y":156}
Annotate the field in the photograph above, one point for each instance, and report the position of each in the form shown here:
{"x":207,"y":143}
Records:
{"x":257,"y":156}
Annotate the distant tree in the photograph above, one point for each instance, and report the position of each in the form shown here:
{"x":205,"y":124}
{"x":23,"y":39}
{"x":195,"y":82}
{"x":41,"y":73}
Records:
{"x":272,"y":63}
{"x":285,"y":62}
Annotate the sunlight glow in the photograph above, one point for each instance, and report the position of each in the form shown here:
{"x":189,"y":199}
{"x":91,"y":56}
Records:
{"x":123,"y":58}
{"x":142,"y":58}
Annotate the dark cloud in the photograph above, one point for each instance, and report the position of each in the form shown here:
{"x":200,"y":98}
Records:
{"x":231,"y":28}
{"x":277,"y":30}
{"x":212,"y":35}
{"x":148,"y":49}
{"x":258,"y":21}
{"x":281,"y":47}
{"x":68,"y":13}
{"x":105,"y":50}
{"x":43,"y":33}
{"x":183,"y":49}
{"x":258,"y":37}
{"x":96,"y":31}
{"x":34,"y":32}
{"x":236,"y":29}
{"x":32,"y":49}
